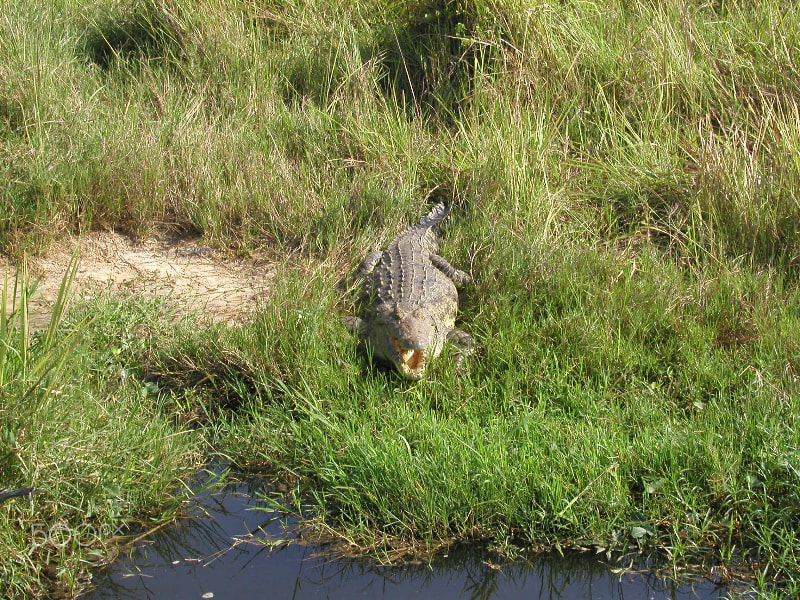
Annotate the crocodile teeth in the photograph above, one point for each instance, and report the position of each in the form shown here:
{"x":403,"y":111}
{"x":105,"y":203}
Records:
{"x":413,"y":361}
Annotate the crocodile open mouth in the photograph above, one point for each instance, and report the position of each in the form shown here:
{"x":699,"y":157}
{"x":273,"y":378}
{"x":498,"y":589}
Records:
{"x":411,"y":361}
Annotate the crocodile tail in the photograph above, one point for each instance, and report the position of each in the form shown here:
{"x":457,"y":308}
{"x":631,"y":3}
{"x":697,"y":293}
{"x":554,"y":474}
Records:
{"x":436,"y":216}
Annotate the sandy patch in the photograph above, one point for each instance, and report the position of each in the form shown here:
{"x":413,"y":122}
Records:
{"x":185,"y":273}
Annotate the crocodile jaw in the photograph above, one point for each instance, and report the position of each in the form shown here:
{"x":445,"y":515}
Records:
{"x":412,"y":362}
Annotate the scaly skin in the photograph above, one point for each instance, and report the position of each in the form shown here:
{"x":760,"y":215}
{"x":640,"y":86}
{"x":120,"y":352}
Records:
{"x":410,"y":300}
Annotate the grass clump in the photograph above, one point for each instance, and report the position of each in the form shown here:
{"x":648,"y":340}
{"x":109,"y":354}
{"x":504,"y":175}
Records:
{"x":624,"y":182}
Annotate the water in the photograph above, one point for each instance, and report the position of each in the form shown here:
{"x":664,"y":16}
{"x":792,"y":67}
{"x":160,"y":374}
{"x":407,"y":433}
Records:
{"x":216,"y":556}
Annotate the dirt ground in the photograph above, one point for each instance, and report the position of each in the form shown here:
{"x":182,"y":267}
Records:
{"x":191,"y":276}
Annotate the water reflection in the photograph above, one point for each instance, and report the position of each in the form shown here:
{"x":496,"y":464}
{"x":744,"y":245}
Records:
{"x":214,"y":555}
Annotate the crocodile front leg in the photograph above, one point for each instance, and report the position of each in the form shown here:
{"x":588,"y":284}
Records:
{"x":357,"y":326}
{"x":459,"y":277}
{"x":368,"y":264}
{"x":464,"y":343}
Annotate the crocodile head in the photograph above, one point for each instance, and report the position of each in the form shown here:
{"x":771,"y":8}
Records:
{"x":406,"y":337}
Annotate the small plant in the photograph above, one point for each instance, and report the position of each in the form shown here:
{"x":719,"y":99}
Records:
{"x":33,"y":361}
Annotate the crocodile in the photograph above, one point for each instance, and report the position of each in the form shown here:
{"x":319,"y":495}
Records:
{"x":410,"y":300}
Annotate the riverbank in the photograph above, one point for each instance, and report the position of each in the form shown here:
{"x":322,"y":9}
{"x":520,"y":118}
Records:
{"x":239,"y":544}
{"x":624,"y":186}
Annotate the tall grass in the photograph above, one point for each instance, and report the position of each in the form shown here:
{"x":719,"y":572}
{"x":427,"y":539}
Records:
{"x":624,"y":178}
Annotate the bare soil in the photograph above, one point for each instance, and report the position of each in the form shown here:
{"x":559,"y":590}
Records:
{"x":193,"y":277}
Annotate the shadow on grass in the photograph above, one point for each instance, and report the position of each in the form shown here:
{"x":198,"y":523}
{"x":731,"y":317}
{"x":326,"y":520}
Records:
{"x":144,"y":31}
{"x":433,"y":55}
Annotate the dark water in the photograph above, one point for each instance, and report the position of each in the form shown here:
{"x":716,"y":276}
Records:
{"x":218,"y":553}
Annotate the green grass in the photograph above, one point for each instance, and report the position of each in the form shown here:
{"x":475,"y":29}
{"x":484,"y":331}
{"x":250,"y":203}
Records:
{"x":92,"y":439}
{"x":625,"y":179}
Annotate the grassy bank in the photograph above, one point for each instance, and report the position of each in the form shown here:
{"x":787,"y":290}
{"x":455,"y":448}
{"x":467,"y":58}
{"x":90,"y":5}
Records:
{"x":80,"y":426}
{"x":624,"y":178}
